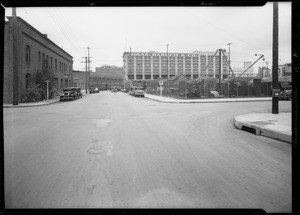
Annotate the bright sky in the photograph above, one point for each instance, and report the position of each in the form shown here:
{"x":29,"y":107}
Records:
{"x":109,"y":31}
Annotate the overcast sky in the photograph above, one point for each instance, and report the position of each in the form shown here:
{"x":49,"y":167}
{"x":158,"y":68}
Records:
{"x":109,"y":31}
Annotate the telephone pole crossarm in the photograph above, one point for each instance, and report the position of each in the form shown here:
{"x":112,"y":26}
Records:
{"x":85,"y":73}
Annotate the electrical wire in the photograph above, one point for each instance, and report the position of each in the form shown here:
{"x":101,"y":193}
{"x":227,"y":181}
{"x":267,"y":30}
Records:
{"x":232,"y":35}
{"x":62,"y":30}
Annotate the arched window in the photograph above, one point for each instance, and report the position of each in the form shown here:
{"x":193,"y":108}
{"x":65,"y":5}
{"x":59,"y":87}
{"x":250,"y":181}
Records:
{"x":39,"y":56}
{"x":27,"y":80}
{"x":27,"y":53}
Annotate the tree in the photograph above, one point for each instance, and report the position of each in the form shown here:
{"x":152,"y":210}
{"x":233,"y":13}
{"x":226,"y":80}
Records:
{"x":45,"y":74}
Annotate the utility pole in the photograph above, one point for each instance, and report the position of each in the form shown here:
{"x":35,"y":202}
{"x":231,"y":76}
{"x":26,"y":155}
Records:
{"x":167,"y":62}
{"x":220,"y":64}
{"x":85,"y":73}
{"x":275,"y":58}
{"x":15,"y":58}
{"x":88,"y":64}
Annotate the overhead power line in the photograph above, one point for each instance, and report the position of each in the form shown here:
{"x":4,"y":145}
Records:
{"x":62,"y":30}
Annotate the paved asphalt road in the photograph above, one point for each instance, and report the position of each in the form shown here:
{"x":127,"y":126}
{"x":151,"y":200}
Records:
{"x":113,"y":150}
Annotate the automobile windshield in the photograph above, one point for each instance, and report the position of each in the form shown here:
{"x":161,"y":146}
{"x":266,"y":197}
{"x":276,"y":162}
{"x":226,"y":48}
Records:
{"x":67,"y":89}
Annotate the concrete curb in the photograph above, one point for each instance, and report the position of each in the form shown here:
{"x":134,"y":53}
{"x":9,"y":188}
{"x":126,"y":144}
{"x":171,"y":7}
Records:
{"x":277,"y":135}
{"x":37,"y":104}
{"x":20,"y":105}
{"x":220,"y":100}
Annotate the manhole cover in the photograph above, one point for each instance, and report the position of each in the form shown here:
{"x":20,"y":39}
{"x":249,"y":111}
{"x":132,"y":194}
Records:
{"x":95,"y":151}
{"x":102,"y":122}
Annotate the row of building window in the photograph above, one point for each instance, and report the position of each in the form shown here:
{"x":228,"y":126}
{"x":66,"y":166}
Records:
{"x":179,"y":59}
{"x":105,"y":79}
{"x":28,"y":81}
{"x":173,"y":65}
{"x":140,"y":77}
{"x":63,"y":68}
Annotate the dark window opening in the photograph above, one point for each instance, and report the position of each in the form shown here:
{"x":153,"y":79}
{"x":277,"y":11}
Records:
{"x":27,"y":53}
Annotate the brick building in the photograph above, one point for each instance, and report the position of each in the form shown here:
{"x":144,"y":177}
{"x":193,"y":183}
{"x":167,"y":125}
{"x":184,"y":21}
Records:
{"x":153,"y":65}
{"x":103,"y":79}
{"x":79,"y":79}
{"x":34,"y":48}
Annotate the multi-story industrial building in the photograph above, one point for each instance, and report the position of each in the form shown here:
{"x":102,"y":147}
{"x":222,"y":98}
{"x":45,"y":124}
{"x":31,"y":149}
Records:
{"x":106,"y":69}
{"x":105,"y":79}
{"x":154,"y":65}
{"x":33,"y":50}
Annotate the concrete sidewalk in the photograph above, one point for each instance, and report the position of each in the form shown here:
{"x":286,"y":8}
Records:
{"x":275,"y":126}
{"x":34,"y":104}
{"x":207,"y":100}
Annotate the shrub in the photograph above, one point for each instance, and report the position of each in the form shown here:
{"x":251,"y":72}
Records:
{"x":32,"y":94}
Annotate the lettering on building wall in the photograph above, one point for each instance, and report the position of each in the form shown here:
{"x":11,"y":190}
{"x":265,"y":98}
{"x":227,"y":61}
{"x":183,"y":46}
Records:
{"x":163,"y":54}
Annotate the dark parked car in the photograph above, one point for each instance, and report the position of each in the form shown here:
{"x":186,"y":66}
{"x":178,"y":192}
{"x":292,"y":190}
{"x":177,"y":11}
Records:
{"x":94,"y":90}
{"x":285,"y":95}
{"x":70,"y":93}
{"x":114,"y":90}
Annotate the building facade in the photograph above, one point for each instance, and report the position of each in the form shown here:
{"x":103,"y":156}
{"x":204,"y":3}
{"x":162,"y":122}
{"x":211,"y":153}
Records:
{"x":154,"y":65}
{"x":285,"y":70}
{"x":106,"y":69}
{"x":80,"y":79}
{"x":34,"y":48}
{"x":105,"y":80}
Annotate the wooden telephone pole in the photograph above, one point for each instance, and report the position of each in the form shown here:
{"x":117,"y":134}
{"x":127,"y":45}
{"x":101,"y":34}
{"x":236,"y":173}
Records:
{"x":275,"y":58}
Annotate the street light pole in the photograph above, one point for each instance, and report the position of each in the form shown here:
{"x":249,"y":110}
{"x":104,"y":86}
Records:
{"x":47,"y":81}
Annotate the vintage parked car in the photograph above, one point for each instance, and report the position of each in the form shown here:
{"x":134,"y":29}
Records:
{"x":216,"y":94}
{"x":70,"y":93}
{"x":94,"y":90}
{"x":137,"y":91}
{"x":114,"y":90}
{"x":285,"y":95}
